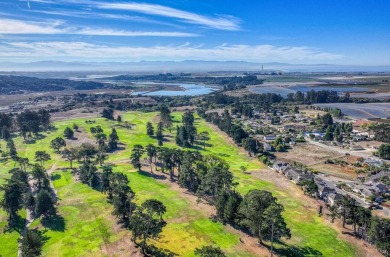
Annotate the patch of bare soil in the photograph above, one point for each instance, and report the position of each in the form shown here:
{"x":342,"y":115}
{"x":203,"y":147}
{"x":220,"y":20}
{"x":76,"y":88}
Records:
{"x":307,"y":154}
{"x":87,"y":113}
{"x":124,"y":247}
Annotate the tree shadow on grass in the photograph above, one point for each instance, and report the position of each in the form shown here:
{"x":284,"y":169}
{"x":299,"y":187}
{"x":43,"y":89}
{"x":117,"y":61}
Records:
{"x":17,"y":224}
{"x":150,"y":175}
{"x":152,"y":250}
{"x":55,"y":177}
{"x":296,"y":251}
{"x":54,"y":222}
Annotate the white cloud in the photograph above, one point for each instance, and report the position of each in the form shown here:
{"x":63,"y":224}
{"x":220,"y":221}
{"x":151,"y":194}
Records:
{"x":225,"y":52}
{"x":11,"y":26}
{"x":219,"y":22}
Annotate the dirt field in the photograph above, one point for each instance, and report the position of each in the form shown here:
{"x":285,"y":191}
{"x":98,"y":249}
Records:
{"x":307,"y":154}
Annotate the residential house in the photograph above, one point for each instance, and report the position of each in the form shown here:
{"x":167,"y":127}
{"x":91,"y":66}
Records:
{"x":267,"y":147}
{"x":332,"y":198}
{"x":269,"y":137}
{"x":324,"y":190}
{"x":278,"y":166}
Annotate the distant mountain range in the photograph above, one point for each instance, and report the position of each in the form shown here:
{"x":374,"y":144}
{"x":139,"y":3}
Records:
{"x":180,"y":66}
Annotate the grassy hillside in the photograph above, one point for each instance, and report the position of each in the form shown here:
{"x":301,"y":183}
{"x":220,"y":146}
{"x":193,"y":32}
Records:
{"x":88,"y":228}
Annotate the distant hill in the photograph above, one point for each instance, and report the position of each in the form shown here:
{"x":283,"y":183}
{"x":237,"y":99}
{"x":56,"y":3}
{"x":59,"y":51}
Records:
{"x":21,"y":84}
{"x":181,"y":66}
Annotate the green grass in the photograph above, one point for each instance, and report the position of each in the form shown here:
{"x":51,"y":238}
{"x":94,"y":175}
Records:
{"x":89,"y":225}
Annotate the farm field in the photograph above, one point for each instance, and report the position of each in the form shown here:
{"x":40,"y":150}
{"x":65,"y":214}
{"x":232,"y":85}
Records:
{"x":85,"y":226}
{"x":362,"y":111}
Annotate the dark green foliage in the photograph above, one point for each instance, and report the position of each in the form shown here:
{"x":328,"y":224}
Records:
{"x":12,"y":149}
{"x":384,"y":151}
{"x":57,"y":144}
{"x":42,"y":157}
{"x":13,"y":191}
{"x":30,"y":122}
{"x":5,"y":120}
{"x":149,"y":129}
{"x":32,"y":243}
{"x":88,"y":174}
{"x":165,"y":116}
{"x":209,"y":251}
{"x":185,"y":135}
{"x":86,"y":151}
{"x":39,"y":174}
{"x":379,"y":234}
{"x":159,"y":134}
{"x":256,"y":217}
{"x":68,"y":133}
{"x":5,"y":134}
{"x":108,"y":114}
{"x":121,"y":196}
{"x":214,"y":176}
{"x":136,"y":155}
{"x":188,"y":177}
{"x":147,"y":222}
{"x":227,"y":204}
{"x":44,"y":203}
{"x":309,"y":187}
{"x":382,"y":132}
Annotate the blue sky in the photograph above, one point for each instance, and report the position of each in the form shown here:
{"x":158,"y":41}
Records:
{"x":352,"y":32}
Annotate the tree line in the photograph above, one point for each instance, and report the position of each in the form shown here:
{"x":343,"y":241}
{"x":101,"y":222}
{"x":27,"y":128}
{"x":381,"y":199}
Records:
{"x":209,"y":178}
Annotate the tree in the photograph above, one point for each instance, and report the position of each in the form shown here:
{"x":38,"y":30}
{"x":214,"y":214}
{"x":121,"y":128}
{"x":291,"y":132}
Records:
{"x":70,"y":155}
{"x":5,"y":134}
{"x":31,"y":244}
{"x":108,"y":114}
{"x":88,"y":174}
{"x":113,"y":140}
{"x":146,"y":221}
{"x":23,"y":163}
{"x":275,"y":226}
{"x":68,"y":133}
{"x":136,"y":155}
{"x":214,"y":176}
{"x":227,"y":204}
{"x":384,"y":151}
{"x":12,"y":149}
{"x":328,"y":135}
{"x":149,"y":129}
{"x":379,"y":234}
{"x":151,"y":151}
{"x":101,"y":157}
{"x":75,"y":126}
{"x":105,"y":177}
{"x":165,"y":116}
{"x":209,"y":251}
{"x":86,"y":151}
{"x":44,"y":203}
{"x":121,"y":196}
{"x":252,"y":209}
{"x":13,"y":191}
{"x":39,"y":174}
{"x":57,"y":144}
{"x":159,"y":134}
{"x":204,"y":136}
{"x":309,"y":187}
{"x":42,"y":157}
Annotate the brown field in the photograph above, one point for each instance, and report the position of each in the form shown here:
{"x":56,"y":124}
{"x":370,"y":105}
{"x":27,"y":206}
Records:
{"x":307,"y":154}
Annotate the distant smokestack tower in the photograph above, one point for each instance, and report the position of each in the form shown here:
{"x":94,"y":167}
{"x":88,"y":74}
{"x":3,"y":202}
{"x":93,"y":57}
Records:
{"x":262,"y":67}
